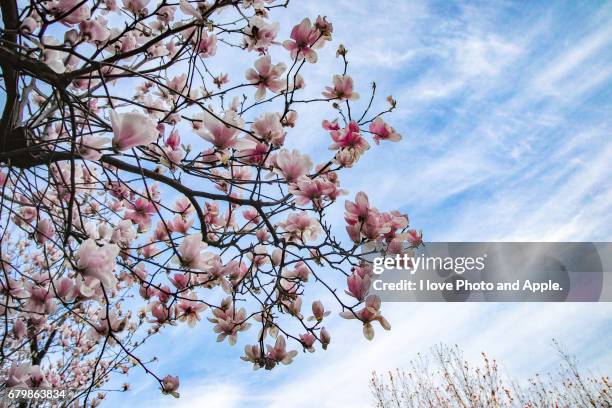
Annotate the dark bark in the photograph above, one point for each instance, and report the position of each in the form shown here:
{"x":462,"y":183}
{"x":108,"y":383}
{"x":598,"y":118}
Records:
{"x":10,"y":75}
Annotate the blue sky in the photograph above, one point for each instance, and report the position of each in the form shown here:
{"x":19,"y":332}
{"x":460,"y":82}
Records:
{"x":505,"y":111}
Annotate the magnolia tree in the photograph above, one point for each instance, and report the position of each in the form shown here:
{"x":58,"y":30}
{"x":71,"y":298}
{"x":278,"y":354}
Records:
{"x":143,"y":190}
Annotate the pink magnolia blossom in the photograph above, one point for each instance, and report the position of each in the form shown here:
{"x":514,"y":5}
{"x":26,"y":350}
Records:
{"x":70,"y":13}
{"x":181,"y":224}
{"x":19,"y":329}
{"x":222,"y":133}
{"x":342,"y":89}
{"x":290,"y":119}
{"x":325,"y":338}
{"x":259,"y":34}
{"x":414,"y":238}
{"x":190,"y":250}
{"x":305,"y":38}
{"x":98,"y":261}
{"x":308,"y":341}
{"x":17,"y":374}
{"x":318,"y":311}
{"x":229,"y":322}
{"x":65,"y":289}
{"x":383,"y":131}
{"x":160,"y":312}
{"x":140,"y":213}
{"x":166,"y":13}
{"x":254,"y":152}
{"x":316,"y":191}
{"x":53,"y":58}
{"x":174,"y":140}
{"x":183,"y":206}
{"x":291,"y":164}
{"x":207,"y":45}
{"x":28,"y":26}
{"x":190,"y":309}
{"x":170,"y":385}
{"x":349,"y":138}
{"x":279,"y":353}
{"x":300,"y":227}
{"x":325,"y":27}
{"x":37,"y":378}
{"x":368,"y":314}
{"x":132,"y":129}
{"x":177,"y":84}
{"x":269,"y":129}
{"x":359,"y":283}
{"x":94,"y":31}
{"x":358,"y":211}
{"x":188,"y":9}
{"x":40,"y":301}
{"x":44,"y":231}
{"x":135,"y":6}
{"x":252,"y":354}
{"x":89,"y":146}
{"x":266,"y":76}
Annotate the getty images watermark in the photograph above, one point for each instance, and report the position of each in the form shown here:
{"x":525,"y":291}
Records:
{"x":494,"y":271}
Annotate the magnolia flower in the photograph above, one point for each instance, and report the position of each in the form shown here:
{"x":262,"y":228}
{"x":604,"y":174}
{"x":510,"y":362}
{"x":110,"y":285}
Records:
{"x":357,"y":212}
{"x":325,"y":338}
{"x":252,"y":353}
{"x":349,"y":138}
{"x":314,"y":191}
{"x":228,"y":322}
{"x":94,"y":31}
{"x":90,"y":146}
{"x":188,"y":9}
{"x":259,"y":35}
{"x":300,"y":272}
{"x":190,"y":251}
{"x":19,"y":329}
{"x":132,"y":129}
{"x":183,"y":205}
{"x":369,"y":313}
{"x":36,"y":378}
{"x":300,"y":227}
{"x":135,"y":6}
{"x":53,"y":58}
{"x":177,"y":84}
{"x":70,"y":12}
{"x":308,"y":341}
{"x":223,"y":133}
{"x":304,"y":40}
{"x":65,"y":289}
{"x":269,"y":129}
{"x":359,"y":283}
{"x":383,"y":131}
{"x":44,"y":231}
{"x":342,"y":90}
{"x":318,"y":311}
{"x":265,"y":75}
{"x":291,"y":164}
{"x":279,"y":353}
{"x":28,"y":25}
{"x":40,"y":301}
{"x":207,"y":46}
{"x":98,"y":261}
{"x":180,"y":224}
{"x":140,"y":213}
{"x":170,"y":385}
{"x":189,"y":309}
{"x":17,"y":374}
{"x":414,"y":238}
